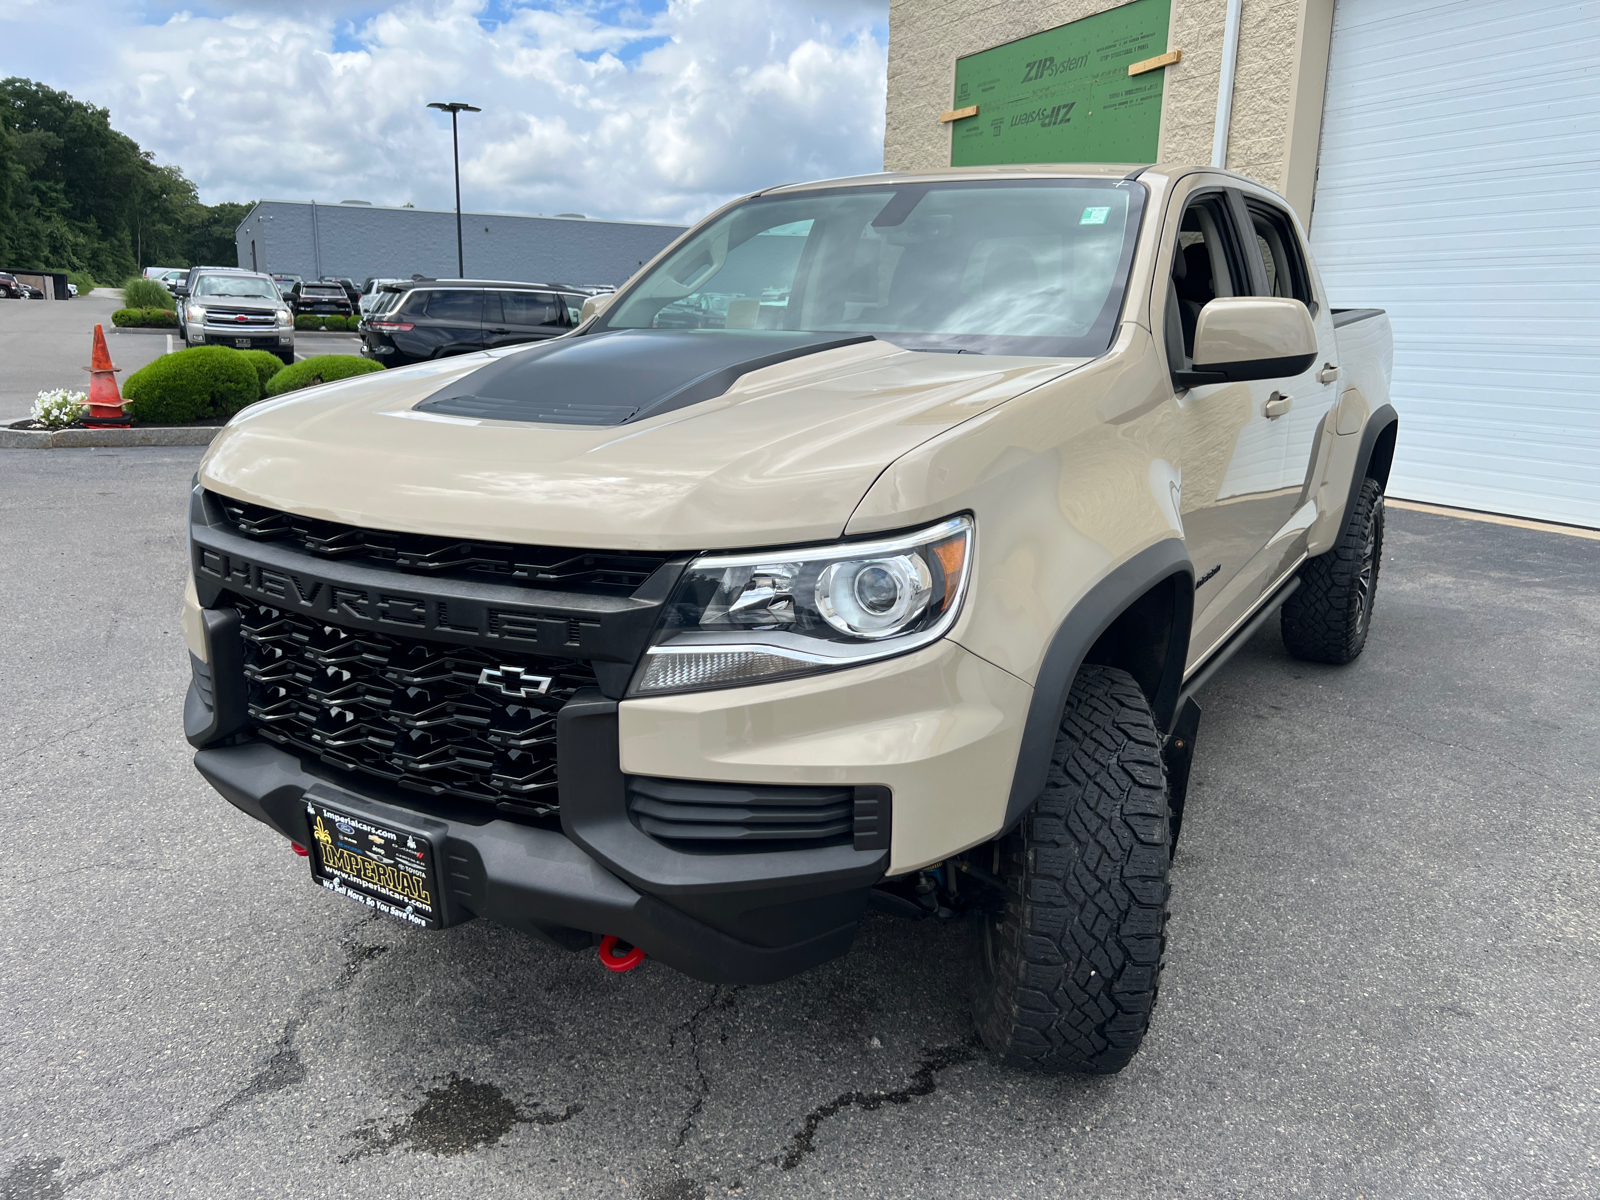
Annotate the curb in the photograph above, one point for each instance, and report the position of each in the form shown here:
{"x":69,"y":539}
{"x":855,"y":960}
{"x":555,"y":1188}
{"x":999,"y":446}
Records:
{"x":36,"y":439}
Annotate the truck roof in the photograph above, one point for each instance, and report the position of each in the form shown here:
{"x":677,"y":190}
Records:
{"x":1007,"y":171}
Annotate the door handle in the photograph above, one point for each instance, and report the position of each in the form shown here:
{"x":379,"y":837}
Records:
{"x":1277,"y":404}
{"x":1328,"y":373}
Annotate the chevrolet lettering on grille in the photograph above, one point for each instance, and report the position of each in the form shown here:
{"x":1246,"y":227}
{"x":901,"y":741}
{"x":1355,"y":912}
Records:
{"x":453,"y":617}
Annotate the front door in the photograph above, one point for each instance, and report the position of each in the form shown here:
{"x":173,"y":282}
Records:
{"x":1232,"y":448}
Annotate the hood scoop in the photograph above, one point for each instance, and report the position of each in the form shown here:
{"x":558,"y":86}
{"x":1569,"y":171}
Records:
{"x":613,"y":378}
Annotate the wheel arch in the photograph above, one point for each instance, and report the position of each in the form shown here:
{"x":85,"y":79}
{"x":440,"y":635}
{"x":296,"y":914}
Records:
{"x":1137,"y":618}
{"x":1376,"y":455}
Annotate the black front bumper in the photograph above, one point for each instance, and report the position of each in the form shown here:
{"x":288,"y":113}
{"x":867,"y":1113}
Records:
{"x":746,"y":916}
{"x":721,"y":918}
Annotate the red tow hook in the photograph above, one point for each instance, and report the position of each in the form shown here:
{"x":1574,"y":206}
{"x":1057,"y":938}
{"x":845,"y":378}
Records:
{"x":300,"y":850}
{"x":609,"y":959}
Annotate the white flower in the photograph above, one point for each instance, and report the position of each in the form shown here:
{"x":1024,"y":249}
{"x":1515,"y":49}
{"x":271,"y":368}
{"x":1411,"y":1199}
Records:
{"x":58,"y":408}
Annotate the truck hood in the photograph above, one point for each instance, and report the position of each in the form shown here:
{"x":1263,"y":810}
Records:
{"x":782,"y":455}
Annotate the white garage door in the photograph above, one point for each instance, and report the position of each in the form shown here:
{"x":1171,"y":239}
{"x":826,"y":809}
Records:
{"x":1459,"y":188}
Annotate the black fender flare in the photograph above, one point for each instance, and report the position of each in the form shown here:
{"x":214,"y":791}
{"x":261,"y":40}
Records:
{"x":1073,"y":640}
{"x":1380,"y":422}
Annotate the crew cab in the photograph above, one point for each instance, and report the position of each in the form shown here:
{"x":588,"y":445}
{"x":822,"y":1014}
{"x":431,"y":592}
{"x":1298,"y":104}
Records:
{"x":866,"y":549}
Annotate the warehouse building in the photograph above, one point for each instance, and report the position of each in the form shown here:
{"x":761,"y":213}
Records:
{"x":353,"y":240}
{"x":1440,"y":153}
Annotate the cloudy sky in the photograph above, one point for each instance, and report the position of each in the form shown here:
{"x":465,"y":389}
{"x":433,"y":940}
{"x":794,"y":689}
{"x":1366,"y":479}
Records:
{"x":648,"y":109}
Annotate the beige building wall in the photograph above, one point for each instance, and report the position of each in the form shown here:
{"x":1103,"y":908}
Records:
{"x":1277,"y":94}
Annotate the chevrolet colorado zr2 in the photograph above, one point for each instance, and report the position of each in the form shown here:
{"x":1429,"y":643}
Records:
{"x":866,"y":548}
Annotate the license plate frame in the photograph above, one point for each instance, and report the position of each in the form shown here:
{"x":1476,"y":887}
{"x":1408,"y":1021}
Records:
{"x":240,"y":343}
{"x":382,"y":864}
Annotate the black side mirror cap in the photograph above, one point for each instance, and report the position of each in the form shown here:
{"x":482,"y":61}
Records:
{"x":1242,"y":372}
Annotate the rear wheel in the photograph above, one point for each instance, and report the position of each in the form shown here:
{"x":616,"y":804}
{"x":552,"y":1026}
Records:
{"x":1066,"y":971}
{"x":1329,"y":615}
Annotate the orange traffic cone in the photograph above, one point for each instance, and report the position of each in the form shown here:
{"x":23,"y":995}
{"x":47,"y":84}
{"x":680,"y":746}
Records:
{"x":105,"y":402}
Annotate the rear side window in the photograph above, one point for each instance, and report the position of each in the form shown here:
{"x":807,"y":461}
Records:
{"x":1281,"y":254}
{"x":528,"y":308}
{"x":458,"y":304}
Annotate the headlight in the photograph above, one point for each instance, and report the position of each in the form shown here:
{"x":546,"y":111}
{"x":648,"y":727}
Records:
{"x":196,"y":313}
{"x":284,"y":318}
{"x":750,"y":618}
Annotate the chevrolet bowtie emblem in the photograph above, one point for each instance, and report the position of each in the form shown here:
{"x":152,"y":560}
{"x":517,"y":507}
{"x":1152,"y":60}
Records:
{"x":515,"y":682}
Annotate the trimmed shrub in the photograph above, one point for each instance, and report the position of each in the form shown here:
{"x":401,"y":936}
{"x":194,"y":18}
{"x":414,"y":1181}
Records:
{"x":266,"y":363}
{"x":307,"y":321}
{"x":144,"y":318}
{"x":337,"y":322}
{"x":207,"y":381}
{"x":139,"y":292}
{"x":324,"y":368}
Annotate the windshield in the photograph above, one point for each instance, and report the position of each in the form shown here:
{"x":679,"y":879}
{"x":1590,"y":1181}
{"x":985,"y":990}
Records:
{"x":242,"y":287}
{"x":1032,"y":266}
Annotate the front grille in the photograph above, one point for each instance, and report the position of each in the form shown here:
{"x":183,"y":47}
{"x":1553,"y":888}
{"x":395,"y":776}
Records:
{"x":440,"y":719}
{"x":230,"y":318}
{"x":603,"y":572}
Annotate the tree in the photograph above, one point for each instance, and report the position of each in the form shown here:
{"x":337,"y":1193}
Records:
{"x":75,"y":194}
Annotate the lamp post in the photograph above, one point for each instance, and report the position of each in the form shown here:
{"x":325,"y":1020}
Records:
{"x":454,"y":107}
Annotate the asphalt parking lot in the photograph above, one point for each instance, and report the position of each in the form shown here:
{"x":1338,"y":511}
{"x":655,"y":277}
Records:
{"x":1382,"y":980}
{"x":44,"y":343}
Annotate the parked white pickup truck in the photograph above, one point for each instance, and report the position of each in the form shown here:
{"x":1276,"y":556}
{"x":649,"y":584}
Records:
{"x":867,"y":548}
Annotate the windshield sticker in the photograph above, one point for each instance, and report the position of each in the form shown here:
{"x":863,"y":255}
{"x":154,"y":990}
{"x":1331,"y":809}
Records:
{"x":1095,"y":216}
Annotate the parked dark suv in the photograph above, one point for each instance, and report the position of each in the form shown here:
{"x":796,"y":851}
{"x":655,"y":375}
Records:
{"x":435,"y":318}
{"x":9,"y":287}
{"x":318,"y":299}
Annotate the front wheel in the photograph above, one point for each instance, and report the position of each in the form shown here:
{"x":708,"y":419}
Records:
{"x":1328,"y":616}
{"x":1065,"y":971}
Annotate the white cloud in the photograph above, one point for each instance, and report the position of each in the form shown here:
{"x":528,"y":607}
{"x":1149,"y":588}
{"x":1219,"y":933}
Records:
{"x":591,"y":106}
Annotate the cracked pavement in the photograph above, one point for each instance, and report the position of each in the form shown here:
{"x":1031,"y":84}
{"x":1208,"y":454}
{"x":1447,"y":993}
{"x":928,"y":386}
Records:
{"x":1381,"y":981}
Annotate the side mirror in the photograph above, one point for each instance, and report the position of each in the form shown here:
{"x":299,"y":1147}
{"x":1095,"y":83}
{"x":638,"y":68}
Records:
{"x":1238,"y":338}
{"x":178,"y":289}
{"x":595,"y":305}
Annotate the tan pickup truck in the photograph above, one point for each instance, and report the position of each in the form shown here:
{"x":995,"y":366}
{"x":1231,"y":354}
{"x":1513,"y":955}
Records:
{"x":866,"y":549}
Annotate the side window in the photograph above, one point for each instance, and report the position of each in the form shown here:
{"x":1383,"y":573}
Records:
{"x":530,"y":308}
{"x":458,"y":304}
{"x":1285,"y":262}
{"x":1206,"y":263}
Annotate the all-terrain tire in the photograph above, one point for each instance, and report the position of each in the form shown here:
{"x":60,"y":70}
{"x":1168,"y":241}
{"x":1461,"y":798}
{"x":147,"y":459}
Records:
{"x":1327,"y":618}
{"x":1065,"y":973}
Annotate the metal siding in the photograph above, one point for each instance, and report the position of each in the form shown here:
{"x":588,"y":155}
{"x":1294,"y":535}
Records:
{"x":1458,"y":188}
{"x":354,"y":241}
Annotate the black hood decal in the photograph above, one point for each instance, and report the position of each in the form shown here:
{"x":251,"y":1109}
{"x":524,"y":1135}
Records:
{"x":626,"y":375}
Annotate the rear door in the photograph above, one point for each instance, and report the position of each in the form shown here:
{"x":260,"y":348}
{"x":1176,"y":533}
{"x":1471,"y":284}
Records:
{"x":511,"y":317}
{"x":454,"y":321}
{"x":1309,"y":396}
